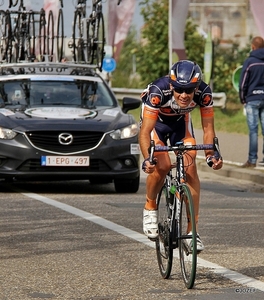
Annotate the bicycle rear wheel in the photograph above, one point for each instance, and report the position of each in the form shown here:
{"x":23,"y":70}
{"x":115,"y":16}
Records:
{"x":164,"y":247}
{"x":187,"y":243}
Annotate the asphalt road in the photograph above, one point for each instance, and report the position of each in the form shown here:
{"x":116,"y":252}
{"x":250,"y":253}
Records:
{"x":74,"y":241}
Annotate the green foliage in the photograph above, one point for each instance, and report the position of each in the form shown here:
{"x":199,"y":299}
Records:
{"x":124,"y":75}
{"x":194,"y":43}
{"x":151,"y":53}
{"x":226,"y":60}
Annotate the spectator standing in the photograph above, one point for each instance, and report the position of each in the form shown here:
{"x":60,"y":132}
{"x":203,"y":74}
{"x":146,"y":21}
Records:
{"x":251,"y":93}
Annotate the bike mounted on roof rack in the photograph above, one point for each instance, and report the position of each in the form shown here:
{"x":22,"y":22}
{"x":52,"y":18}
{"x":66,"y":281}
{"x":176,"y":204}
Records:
{"x":20,"y":41}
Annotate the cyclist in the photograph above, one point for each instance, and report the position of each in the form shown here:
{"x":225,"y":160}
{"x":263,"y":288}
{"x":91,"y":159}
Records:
{"x":166,"y":106}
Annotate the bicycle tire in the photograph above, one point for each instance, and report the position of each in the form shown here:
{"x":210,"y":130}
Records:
{"x":60,"y":36}
{"x":164,"y":249}
{"x":42,"y":35}
{"x":96,"y":32}
{"x":77,"y":38}
{"x":188,"y":257}
{"x":8,"y":34}
{"x":31,"y":37}
{"x":4,"y":32}
{"x":50,"y":36}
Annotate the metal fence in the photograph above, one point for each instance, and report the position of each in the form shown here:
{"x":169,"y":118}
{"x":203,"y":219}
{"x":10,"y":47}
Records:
{"x":219,"y":98}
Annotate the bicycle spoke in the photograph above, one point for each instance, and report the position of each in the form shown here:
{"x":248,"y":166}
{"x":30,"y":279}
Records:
{"x":187,"y":244}
{"x":60,"y":35}
{"x":164,"y":248}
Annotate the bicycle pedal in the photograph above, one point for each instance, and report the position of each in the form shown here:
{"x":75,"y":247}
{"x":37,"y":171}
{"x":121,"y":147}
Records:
{"x":153,"y":239}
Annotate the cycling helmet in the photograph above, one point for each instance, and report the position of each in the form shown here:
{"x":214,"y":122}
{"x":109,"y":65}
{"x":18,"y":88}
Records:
{"x":185,"y":74}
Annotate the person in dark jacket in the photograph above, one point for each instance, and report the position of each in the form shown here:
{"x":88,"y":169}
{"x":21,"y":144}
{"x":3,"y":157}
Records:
{"x":251,"y":93}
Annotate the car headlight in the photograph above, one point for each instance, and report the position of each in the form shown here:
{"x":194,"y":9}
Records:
{"x":125,"y":133}
{"x":7,"y":134}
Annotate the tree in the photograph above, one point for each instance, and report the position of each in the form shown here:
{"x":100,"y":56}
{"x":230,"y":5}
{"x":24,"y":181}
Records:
{"x":124,"y":75}
{"x":152,"y":51}
{"x":153,"y":55}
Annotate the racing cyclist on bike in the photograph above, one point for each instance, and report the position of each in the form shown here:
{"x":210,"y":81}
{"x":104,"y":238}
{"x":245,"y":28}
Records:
{"x":166,"y":106}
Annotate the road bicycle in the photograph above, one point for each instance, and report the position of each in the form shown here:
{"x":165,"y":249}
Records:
{"x":23,"y":33}
{"x":88,"y":34}
{"x":79,"y":33}
{"x":96,"y":34}
{"x":6,"y":36}
{"x":175,"y":211}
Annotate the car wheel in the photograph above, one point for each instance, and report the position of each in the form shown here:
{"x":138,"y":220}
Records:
{"x":127,"y":185}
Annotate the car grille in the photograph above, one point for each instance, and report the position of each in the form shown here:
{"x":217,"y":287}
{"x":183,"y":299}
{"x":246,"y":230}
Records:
{"x":34,"y":165}
{"x":49,"y":141}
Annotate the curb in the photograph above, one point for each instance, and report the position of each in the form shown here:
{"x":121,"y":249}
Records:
{"x":234,"y":171}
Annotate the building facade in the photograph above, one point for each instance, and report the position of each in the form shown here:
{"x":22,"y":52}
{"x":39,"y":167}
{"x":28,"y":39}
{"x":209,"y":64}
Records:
{"x":228,"y":20}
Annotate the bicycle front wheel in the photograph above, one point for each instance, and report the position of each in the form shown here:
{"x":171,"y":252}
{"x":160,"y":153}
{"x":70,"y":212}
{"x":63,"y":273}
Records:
{"x":187,"y":243}
{"x":60,"y":35}
{"x":77,"y":36}
{"x":42,"y":35}
{"x":50,"y":36}
{"x":164,"y":247}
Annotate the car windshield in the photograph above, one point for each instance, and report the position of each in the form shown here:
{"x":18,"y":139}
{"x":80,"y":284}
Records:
{"x":80,"y":93}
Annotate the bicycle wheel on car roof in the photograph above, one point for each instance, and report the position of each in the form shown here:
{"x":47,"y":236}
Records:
{"x":78,"y":43}
{"x":164,"y":247}
{"x":96,"y":32}
{"x":31,"y":37}
{"x":11,"y":54}
{"x":5,"y":32}
{"x":42,"y":35}
{"x":50,"y":36}
{"x":187,"y":243}
{"x":60,"y":35}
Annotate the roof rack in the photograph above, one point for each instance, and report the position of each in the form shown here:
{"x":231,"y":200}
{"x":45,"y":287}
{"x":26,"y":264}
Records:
{"x":51,"y":68}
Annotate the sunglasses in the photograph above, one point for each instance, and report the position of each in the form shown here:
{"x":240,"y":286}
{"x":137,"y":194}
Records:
{"x":187,"y":90}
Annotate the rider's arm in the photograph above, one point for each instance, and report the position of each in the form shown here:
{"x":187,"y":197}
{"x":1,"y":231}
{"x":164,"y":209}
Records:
{"x":145,"y":135}
{"x":209,"y":134}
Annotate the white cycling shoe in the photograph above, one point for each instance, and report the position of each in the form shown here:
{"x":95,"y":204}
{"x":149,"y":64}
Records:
{"x":200,"y":245}
{"x":150,"y":223}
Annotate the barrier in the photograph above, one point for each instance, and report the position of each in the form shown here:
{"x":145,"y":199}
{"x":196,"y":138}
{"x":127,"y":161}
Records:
{"x":219,"y":98}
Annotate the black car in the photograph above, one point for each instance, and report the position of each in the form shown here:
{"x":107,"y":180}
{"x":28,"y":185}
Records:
{"x":62,"y":121}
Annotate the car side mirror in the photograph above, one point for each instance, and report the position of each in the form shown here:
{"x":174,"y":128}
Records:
{"x":130,"y":103}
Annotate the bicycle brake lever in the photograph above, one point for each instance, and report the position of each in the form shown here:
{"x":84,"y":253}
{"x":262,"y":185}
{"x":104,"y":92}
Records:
{"x":217,"y":148}
{"x":151,"y":152}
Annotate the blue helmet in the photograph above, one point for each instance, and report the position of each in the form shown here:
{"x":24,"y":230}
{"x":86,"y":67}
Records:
{"x":185,"y":74}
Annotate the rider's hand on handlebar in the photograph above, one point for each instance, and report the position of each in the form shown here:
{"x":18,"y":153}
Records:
{"x":215,"y":162}
{"x":147,"y":167}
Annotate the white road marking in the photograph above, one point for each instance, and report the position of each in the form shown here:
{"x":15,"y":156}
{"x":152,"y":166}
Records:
{"x":232,"y":275}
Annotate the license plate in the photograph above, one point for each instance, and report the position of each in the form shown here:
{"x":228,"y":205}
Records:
{"x":65,"y":161}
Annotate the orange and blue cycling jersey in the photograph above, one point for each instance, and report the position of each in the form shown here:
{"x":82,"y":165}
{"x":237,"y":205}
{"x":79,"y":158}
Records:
{"x":158,"y":101}
{"x":173,"y":122}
